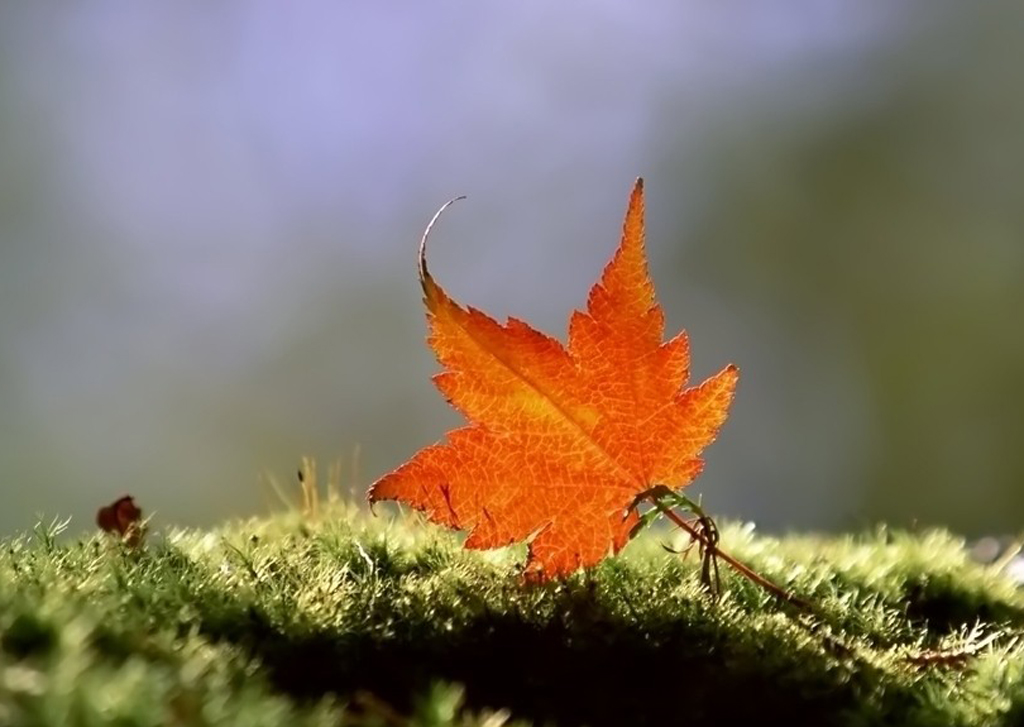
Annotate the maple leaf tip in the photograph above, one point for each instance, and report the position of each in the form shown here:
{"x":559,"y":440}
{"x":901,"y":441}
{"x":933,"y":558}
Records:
{"x":424,"y":273}
{"x":636,"y":197}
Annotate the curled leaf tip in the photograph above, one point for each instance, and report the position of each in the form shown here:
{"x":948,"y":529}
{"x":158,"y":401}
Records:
{"x":424,"y":274}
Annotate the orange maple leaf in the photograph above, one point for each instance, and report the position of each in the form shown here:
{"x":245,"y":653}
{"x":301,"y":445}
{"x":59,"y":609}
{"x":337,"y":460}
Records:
{"x":562,"y":439}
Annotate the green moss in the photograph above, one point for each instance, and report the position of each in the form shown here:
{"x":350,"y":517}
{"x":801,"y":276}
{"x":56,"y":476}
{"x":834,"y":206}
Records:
{"x":360,"y":620}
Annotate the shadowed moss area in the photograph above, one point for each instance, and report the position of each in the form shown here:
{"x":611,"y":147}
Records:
{"x":350,"y":619}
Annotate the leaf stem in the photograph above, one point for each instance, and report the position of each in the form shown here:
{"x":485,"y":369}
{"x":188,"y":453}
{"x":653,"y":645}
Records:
{"x":707,"y":535}
{"x":776,"y":590}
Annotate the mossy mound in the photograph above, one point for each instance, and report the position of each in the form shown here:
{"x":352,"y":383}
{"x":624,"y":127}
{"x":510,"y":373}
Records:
{"x":349,"y":619}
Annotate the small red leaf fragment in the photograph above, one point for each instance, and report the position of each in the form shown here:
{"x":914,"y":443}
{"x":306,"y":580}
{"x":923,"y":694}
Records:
{"x":122,"y":517}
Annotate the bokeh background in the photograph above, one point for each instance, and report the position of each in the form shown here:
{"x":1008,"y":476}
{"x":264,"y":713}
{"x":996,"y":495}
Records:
{"x":209,"y":215}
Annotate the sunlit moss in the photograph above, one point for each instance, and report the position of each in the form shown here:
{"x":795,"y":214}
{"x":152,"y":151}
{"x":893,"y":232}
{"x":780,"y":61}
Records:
{"x":346,"y":618}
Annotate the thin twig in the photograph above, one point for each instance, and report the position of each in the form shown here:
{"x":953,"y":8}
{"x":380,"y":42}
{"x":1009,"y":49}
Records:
{"x":706,"y":533}
{"x":777,"y":591}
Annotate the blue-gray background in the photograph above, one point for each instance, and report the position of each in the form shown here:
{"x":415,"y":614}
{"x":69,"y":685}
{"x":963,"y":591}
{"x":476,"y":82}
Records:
{"x":209,"y":215}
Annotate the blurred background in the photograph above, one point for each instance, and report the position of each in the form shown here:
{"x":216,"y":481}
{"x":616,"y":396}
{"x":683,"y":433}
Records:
{"x":209,"y":216}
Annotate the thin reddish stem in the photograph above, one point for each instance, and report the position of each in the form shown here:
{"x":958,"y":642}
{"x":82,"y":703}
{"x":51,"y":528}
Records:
{"x":775,"y":590}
